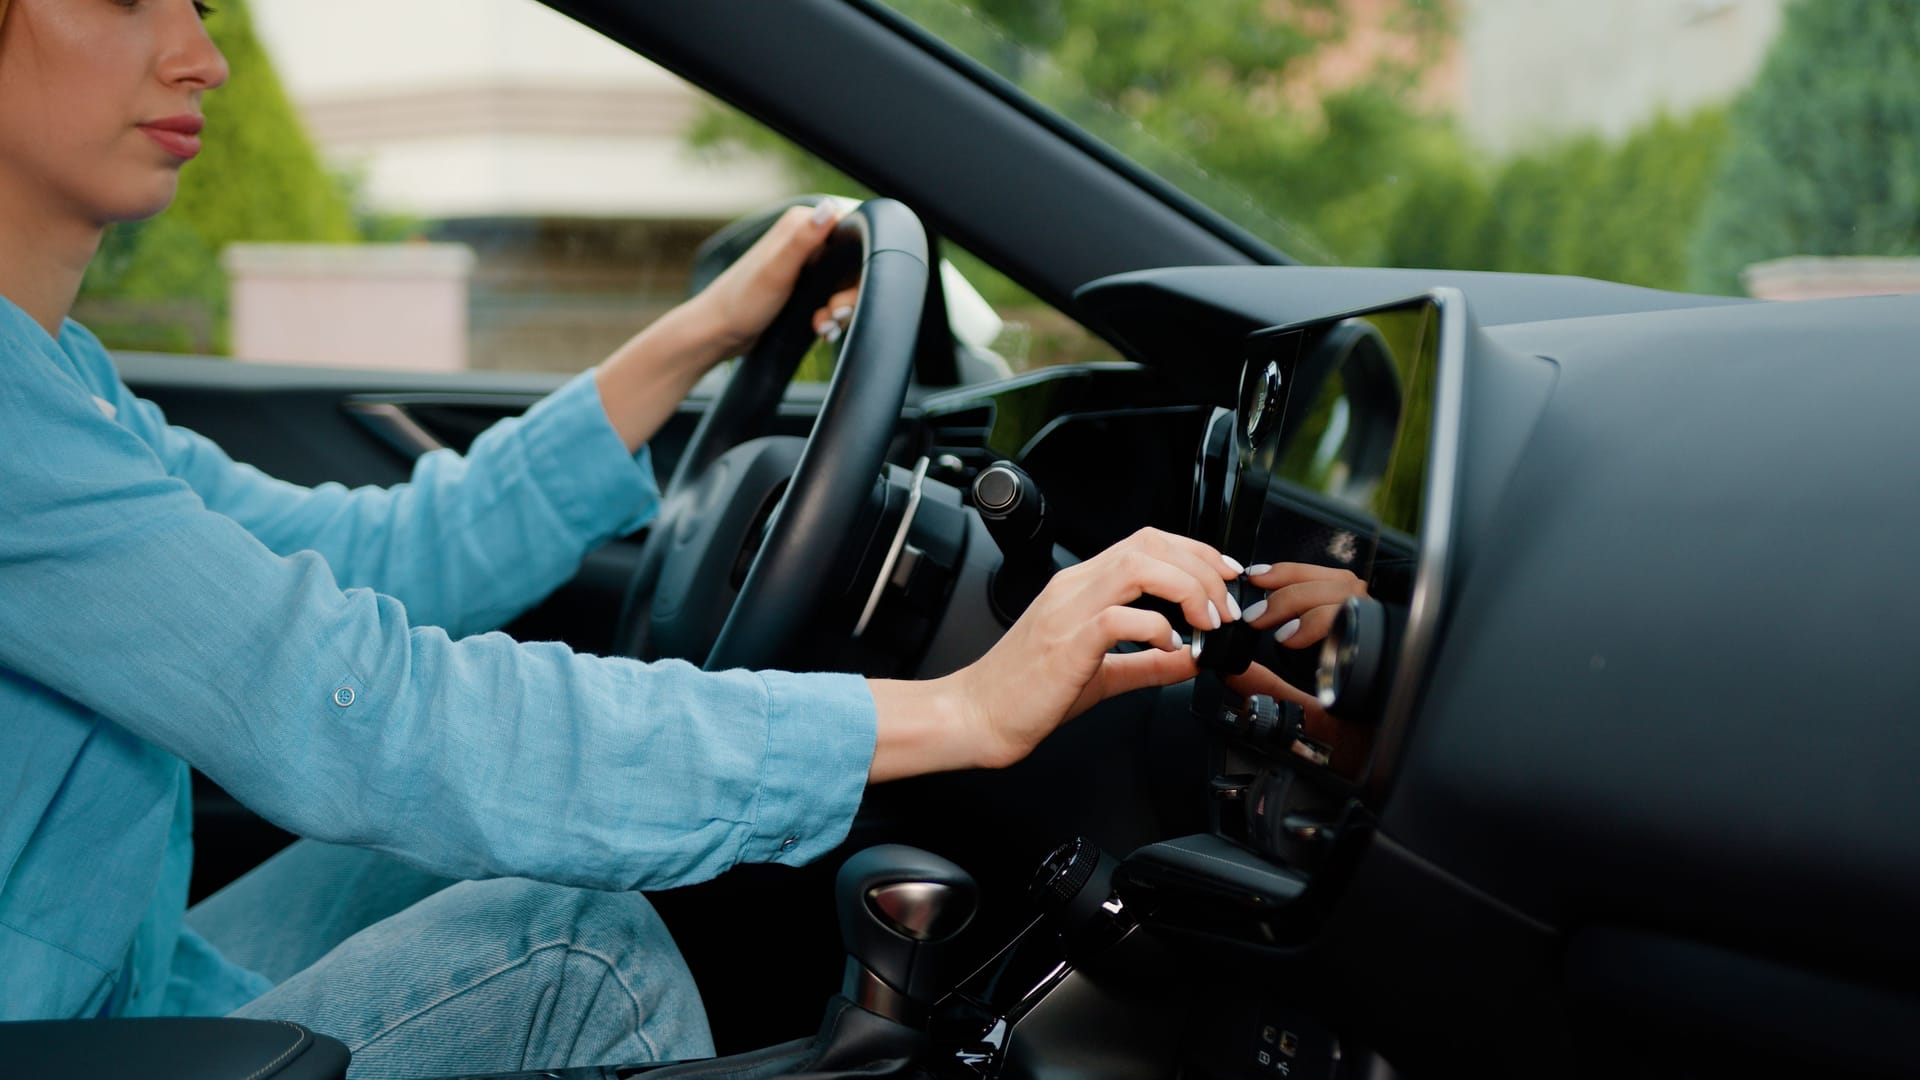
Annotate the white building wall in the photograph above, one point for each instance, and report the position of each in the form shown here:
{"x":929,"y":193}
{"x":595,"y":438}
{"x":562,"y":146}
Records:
{"x":1534,"y":69}
{"x":455,"y":108}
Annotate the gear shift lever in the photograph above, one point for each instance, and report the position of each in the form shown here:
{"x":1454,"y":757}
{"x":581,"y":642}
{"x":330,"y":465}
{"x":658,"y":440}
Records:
{"x":899,"y":909}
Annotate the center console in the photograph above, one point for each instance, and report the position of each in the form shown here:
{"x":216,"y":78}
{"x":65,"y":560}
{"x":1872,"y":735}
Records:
{"x":1193,"y":956}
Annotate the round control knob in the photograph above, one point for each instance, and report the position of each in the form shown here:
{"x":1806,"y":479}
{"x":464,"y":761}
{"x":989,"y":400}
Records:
{"x":1063,"y":873}
{"x":1352,"y":678}
{"x":1226,"y":651}
{"x":1074,"y":884}
{"x":996,"y":489}
{"x":1014,"y":511}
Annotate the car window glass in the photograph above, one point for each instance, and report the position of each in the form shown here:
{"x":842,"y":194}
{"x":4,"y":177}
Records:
{"x":1700,"y":145}
{"x":482,"y":185}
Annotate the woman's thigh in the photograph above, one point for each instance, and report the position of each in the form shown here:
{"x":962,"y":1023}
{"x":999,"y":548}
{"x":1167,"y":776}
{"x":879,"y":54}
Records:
{"x":291,"y":910}
{"x":495,"y":976}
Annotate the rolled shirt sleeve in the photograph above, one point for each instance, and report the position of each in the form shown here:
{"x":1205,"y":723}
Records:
{"x":338,"y":715}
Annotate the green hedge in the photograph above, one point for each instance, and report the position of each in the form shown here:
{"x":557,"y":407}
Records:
{"x":257,"y":179}
{"x":1624,"y":211}
{"x":1823,"y":156}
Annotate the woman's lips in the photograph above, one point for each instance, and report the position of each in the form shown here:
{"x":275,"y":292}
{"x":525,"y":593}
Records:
{"x":177,"y":135}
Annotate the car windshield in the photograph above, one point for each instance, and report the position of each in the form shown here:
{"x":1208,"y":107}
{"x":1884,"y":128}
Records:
{"x":1724,"y":146}
{"x":508,"y":190}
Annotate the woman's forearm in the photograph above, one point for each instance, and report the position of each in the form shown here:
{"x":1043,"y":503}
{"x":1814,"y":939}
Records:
{"x":644,"y":380}
{"x":921,"y":727}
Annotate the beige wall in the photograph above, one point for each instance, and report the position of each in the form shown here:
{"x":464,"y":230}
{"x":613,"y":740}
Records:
{"x":454,"y":108}
{"x":1537,"y":68}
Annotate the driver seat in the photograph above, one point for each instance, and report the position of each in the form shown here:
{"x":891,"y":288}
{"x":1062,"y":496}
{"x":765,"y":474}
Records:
{"x":170,"y":1048}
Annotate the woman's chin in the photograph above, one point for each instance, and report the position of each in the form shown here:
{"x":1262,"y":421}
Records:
{"x":141,"y":205}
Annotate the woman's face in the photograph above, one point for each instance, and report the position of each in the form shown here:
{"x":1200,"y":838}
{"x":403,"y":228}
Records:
{"x":100,"y":103}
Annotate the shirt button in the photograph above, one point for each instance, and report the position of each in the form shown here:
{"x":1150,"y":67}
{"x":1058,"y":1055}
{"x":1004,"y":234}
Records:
{"x":343,"y":697}
{"x":789,"y":842}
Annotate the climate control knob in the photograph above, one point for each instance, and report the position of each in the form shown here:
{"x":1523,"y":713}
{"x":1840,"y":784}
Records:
{"x":1355,"y":659}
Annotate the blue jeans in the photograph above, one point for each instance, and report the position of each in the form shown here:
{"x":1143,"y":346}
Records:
{"x":423,"y":977}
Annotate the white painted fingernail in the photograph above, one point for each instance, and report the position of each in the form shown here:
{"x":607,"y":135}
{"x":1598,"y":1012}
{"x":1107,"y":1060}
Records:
{"x":842,"y":313}
{"x":1258,"y":568}
{"x":1287,"y":630}
{"x":823,"y":213}
{"x":832,"y":334}
{"x":1198,"y":643}
{"x":1233,"y":564}
{"x":1213,"y":613}
{"x":1257,"y":609}
{"x":1233,"y":609}
{"x":1175,"y":635}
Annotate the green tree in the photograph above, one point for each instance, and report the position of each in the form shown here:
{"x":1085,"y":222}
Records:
{"x":1217,"y":97}
{"x":1823,"y":155}
{"x":258,"y":179}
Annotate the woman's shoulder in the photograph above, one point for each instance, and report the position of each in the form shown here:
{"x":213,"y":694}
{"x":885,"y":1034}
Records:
{"x":75,"y":354}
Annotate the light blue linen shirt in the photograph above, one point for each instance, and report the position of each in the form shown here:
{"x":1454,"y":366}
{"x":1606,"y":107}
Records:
{"x":318,"y":653}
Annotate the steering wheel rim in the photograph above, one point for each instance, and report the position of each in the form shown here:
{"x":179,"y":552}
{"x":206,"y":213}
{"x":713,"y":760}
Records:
{"x":884,"y":243}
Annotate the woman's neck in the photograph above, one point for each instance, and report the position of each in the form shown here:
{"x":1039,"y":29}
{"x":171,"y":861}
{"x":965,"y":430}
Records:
{"x":45,"y":257}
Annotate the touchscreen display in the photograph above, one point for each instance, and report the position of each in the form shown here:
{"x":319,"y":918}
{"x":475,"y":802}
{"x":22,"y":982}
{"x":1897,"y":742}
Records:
{"x":1334,"y":423}
{"x":1334,"y":426}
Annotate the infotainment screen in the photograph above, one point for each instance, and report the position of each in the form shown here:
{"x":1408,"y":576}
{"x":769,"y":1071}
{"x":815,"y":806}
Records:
{"x":1335,"y":421}
{"x":1329,"y":477}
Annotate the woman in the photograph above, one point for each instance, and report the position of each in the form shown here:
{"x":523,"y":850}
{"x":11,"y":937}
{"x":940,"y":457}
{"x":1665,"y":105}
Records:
{"x":318,"y":653}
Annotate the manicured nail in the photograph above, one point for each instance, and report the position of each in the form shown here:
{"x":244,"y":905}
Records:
{"x":1258,"y":568}
{"x":1255,"y":610}
{"x":1175,"y":635}
{"x":1233,"y":609}
{"x":842,"y":313}
{"x":1287,"y":630}
{"x":1198,"y":643}
{"x":832,"y":333}
{"x":1233,"y":564}
{"x":1213,"y":613}
{"x":823,"y":213}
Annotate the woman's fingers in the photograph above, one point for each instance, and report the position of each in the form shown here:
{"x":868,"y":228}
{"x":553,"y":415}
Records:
{"x":1279,"y":575}
{"x":1260,"y":679}
{"x":1150,"y":628}
{"x":831,"y":320}
{"x":1294,"y":601}
{"x":1138,"y":567}
{"x":1310,"y":629}
{"x":1122,"y":673}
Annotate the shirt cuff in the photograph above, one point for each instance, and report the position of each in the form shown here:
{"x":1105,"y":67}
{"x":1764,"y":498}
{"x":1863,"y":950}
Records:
{"x":820,"y":740}
{"x":581,"y":463}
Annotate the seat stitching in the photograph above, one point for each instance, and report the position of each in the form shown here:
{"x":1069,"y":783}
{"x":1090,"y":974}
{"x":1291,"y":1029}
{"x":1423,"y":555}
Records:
{"x":299,"y":1036}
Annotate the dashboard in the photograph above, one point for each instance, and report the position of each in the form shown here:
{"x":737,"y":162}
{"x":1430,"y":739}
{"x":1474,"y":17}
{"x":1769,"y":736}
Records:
{"x":1631,"y":779}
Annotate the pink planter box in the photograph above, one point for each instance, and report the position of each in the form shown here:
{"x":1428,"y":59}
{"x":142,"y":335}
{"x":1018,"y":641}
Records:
{"x":395,"y":306}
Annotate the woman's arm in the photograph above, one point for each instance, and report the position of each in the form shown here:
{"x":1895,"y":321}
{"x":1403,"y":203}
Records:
{"x":472,"y":541}
{"x":335,"y":715}
{"x":332,"y":714}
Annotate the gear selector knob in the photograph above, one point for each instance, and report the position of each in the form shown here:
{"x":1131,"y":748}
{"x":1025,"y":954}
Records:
{"x":899,"y":909}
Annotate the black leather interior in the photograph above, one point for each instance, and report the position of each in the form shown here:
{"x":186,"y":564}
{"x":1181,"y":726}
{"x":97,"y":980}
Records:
{"x":169,"y":1048}
{"x":852,"y":1042}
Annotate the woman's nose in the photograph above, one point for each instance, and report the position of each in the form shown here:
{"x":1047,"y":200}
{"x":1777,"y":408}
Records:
{"x":190,"y":59}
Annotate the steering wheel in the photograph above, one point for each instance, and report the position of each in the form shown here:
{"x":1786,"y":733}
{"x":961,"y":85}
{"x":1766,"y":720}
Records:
{"x":737,"y":562}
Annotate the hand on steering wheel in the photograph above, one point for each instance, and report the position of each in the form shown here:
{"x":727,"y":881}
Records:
{"x":730,"y":504}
